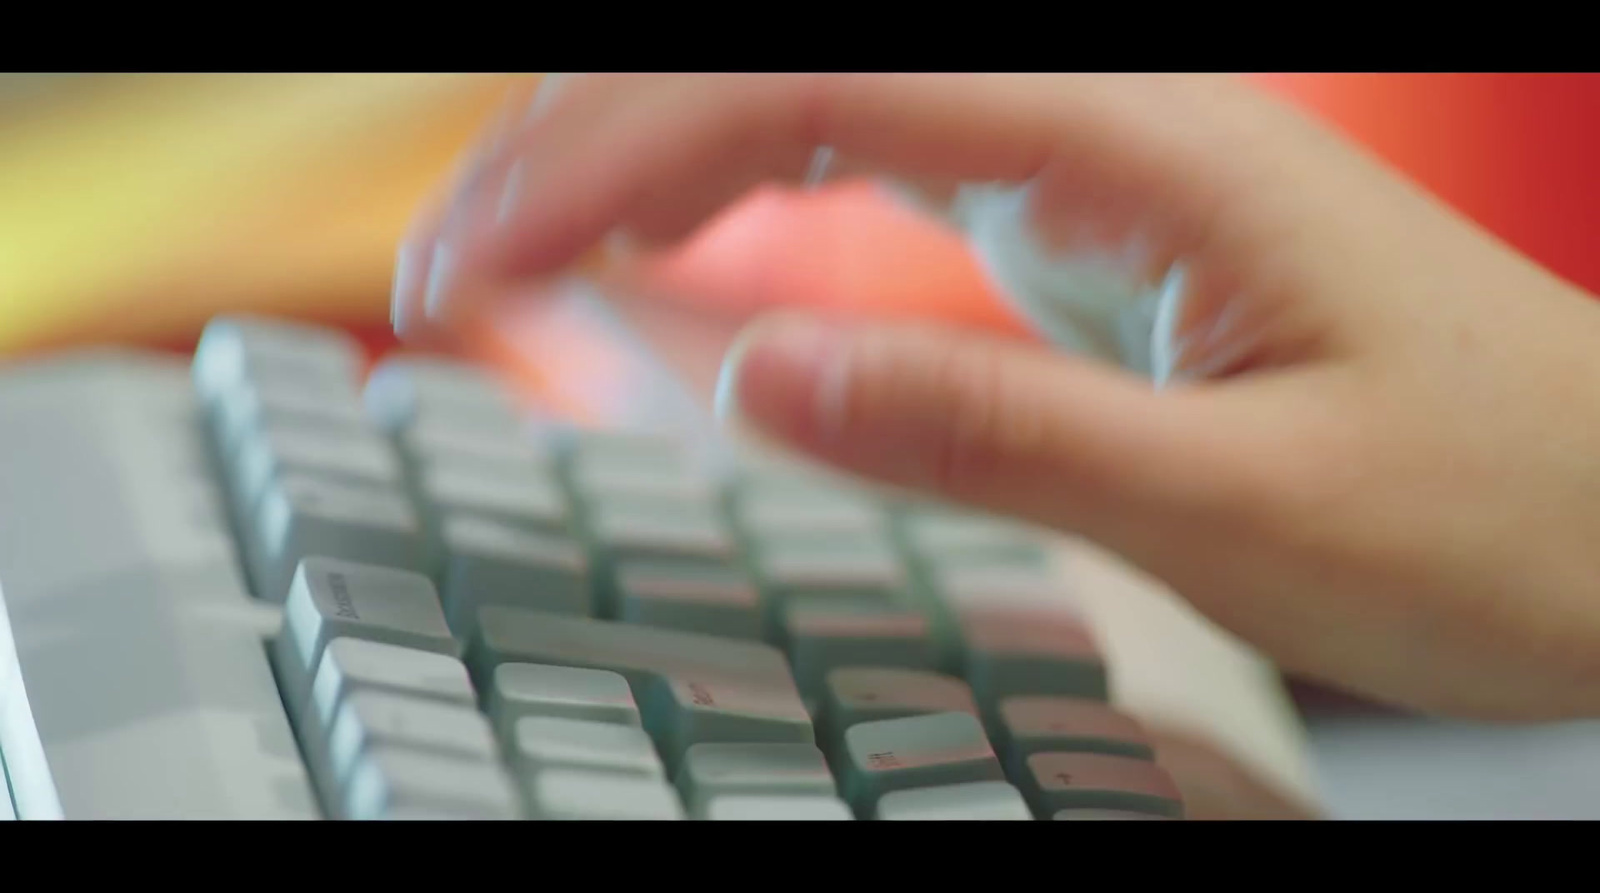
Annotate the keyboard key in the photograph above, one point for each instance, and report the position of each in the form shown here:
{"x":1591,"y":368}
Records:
{"x":1105,"y":815}
{"x":410,"y":390}
{"x":237,"y":349}
{"x":983,"y":801}
{"x":787,"y":510}
{"x":573,"y":795}
{"x":747,"y":808}
{"x":969,"y":541}
{"x":867,"y":570}
{"x":344,"y":455}
{"x":303,"y":516}
{"x":531,"y":501}
{"x":738,"y":690}
{"x":1030,"y":724}
{"x":717,"y":770}
{"x":687,"y":534}
{"x":489,"y":562}
{"x":350,"y":665}
{"x":1005,"y":588}
{"x":332,"y":599}
{"x":869,"y":694}
{"x":1019,"y":654}
{"x":258,"y":407}
{"x":1058,"y":781}
{"x":596,"y":451}
{"x":716,"y":601}
{"x":542,"y":743}
{"x":643,"y":489}
{"x":370,"y":719}
{"x":517,"y":455}
{"x":393,"y":783}
{"x":822,"y":637}
{"x":688,"y":710}
{"x":914,"y":752}
{"x":521,"y":690}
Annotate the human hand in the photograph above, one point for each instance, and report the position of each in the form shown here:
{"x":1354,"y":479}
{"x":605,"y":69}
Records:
{"x":1382,"y":466}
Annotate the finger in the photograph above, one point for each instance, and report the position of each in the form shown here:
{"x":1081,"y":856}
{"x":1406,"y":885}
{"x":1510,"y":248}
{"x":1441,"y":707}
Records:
{"x":587,"y":167}
{"x":418,"y":261}
{"x":988,"y":423}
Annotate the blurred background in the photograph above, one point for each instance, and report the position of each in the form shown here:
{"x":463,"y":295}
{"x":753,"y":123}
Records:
{"x":133,"y":207}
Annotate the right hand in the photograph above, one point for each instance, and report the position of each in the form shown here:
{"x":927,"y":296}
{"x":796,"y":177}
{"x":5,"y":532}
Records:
{"x":1384,"y":470}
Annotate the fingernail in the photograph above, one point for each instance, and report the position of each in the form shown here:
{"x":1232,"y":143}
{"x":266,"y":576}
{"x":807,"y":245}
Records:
{"x":1165,"y":346}
{"x":510,"y":194}
{"x":441,"y":270}
{"x":402,"y":288}
{"x":817,"y":172}
{"x":549,"y":85}
{"x":788,"y":377}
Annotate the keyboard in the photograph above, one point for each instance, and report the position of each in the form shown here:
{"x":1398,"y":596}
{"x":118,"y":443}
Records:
{"x":276,"y":584}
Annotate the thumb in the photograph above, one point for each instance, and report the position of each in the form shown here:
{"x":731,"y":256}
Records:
{"x":986,"y":422}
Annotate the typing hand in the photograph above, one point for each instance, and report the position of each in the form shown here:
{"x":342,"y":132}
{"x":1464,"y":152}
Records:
{"x":1381,"y":464}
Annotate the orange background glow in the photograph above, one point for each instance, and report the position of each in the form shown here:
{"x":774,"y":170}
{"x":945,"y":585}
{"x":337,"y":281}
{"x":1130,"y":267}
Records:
{"x":134,"y":211}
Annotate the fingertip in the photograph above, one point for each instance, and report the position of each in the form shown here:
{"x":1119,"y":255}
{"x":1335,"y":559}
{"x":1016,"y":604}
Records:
{"x":779,"y":378}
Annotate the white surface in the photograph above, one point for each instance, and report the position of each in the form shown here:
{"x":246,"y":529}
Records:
{"x":1394,"y":768}
{"x":133,"y":677}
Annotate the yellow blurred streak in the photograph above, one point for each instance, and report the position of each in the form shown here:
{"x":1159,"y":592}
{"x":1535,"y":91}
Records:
{"x":139,"y":210}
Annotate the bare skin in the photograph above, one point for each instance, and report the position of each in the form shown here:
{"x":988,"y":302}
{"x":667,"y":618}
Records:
{"x":1384,"y":470}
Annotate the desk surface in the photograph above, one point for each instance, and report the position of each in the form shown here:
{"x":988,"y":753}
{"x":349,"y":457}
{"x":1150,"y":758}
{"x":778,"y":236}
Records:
{"x":1387,"y":767}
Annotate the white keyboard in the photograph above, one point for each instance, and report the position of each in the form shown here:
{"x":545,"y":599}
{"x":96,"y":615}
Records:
{"x":271,"y":586}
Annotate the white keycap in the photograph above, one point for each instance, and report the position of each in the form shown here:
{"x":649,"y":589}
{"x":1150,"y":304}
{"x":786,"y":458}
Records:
{"x":370,"y":719}
{"x":692,"y":710}
{"x":490,"y":562}
{"x":437,"y":442}
{"x":520,"y":690}
{"x":570,"y":795}
{"x":1022,"y":653}
{"x":1007,"y":590}
{"x":341,"y":454}
{"x":983,"y":801}
{"x":788,"y":510}
{"x":1057,"y":781}
{"x":331,"y":599}
{"x":863,"y":567}
{"x":543,"y":743}
{"x":690,"y":534}
{"x":714,"y":770}
{"x":914,"y":752}
{"x":1029,"y":724}
{"x":357,"y":664}
{"x":260,"y":406}
{"x":636,"y":485}
{"x":241,"y":348}
{"x":822,"y":637}
{"x":865,"y":694}
{"x":757,"y":808}
{"x":948,"y":539}
{"x":407,"y":390}
{"x":717,"y":601}
{"x":303,"y":516}
{"x":599,"y":451}
{"x":531,"y":500}
{"x":396,"y":783}
{"x":713,"y":685}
